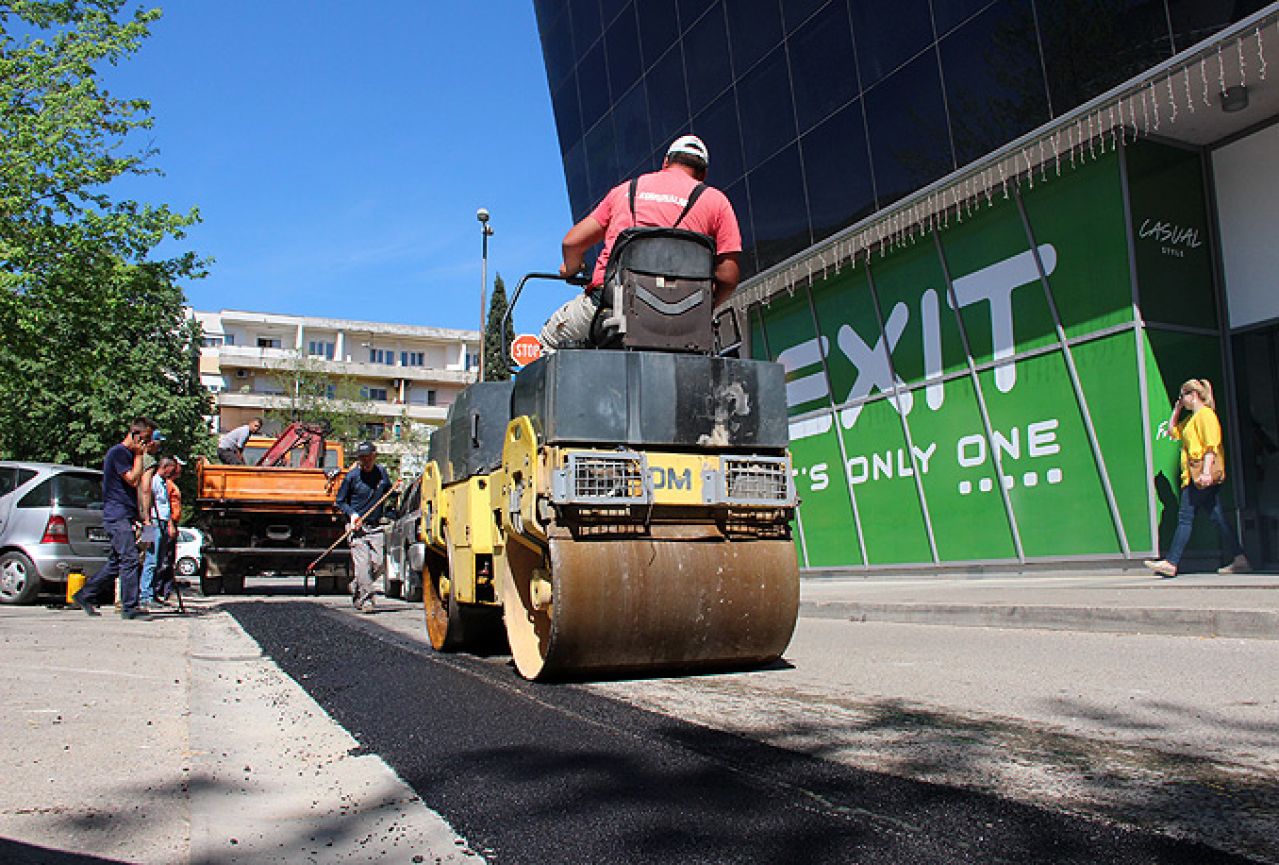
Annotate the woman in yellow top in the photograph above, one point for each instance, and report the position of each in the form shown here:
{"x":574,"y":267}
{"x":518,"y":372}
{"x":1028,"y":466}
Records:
{"x":1202,"y":471}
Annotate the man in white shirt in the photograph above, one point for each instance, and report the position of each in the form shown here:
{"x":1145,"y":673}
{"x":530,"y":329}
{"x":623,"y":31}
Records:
{"x":231,"y":445}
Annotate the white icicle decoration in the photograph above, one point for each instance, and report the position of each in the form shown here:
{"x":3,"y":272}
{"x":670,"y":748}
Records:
{"x":1172,"y":103}
{"x":1261,"y":56}
{"x":1190,"y":100}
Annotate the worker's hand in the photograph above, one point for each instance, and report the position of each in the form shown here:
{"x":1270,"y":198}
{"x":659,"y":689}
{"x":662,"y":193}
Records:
{"x":354,"y":525}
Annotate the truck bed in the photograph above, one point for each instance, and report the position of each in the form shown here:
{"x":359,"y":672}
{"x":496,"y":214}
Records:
{"x":274,"y":489}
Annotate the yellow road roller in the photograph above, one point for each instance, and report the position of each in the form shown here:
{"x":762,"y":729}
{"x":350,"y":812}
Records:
{"x":624,"y":507}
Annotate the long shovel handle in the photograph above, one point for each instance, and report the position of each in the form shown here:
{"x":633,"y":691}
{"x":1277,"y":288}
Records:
{"x":310,"y":569}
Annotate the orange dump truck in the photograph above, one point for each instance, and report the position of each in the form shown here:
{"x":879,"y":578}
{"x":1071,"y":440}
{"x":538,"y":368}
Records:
{"x":270,"y":519}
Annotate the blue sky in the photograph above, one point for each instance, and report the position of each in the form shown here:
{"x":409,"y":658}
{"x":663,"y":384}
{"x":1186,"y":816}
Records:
{"x":338,"y":152}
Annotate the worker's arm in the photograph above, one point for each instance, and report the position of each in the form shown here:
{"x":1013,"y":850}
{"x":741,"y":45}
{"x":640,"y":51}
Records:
{"x":580,"y":238}
{"x":134,"y":474}
{"x":146,"y":495}
{"x":727,"y":275}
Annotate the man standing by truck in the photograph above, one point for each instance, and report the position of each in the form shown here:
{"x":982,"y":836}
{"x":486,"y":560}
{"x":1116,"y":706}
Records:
{"x":360,"y":497}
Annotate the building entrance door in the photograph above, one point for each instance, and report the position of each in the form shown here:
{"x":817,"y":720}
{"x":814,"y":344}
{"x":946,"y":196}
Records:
{"x":1256,"y":363}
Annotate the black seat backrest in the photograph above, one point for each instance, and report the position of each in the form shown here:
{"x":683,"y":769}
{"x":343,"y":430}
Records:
{"x":659,"y":291}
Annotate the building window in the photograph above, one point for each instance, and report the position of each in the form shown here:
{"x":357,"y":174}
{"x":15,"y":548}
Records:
{"x":268,"y":342}
{"x":330,"y":391}
{"x":210,"y":341}
{"x":373,"y":394}
{"x":472,"y":360}
{"x":412,"y":358}
{"x":320,"y":348}
{"x":229,"y":339}
{"x":430,"y":397}
{"x":382,"y":355}
{"x":213,"y":388}
{"x":374,"y":430}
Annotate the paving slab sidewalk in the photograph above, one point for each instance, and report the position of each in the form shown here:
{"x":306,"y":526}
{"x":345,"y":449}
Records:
{"x":1200,"y":605}
{"x":175,"y":740}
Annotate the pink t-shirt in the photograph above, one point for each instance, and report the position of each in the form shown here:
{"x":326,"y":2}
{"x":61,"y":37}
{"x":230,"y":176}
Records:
{"x":659,"y":200}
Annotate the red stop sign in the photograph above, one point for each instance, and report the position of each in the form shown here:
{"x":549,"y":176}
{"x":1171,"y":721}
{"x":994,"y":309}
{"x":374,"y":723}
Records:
{"x":526,"y":349}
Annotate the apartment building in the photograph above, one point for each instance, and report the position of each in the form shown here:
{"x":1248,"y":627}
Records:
{"x":404,"y":376}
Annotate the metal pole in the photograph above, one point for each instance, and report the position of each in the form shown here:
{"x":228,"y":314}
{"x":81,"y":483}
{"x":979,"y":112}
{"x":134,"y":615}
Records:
{"x":486,"y":231}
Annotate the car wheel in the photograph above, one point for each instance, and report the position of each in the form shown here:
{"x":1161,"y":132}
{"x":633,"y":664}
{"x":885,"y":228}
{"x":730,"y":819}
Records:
{"x":187,"y":566}
{"x":19,"y":580}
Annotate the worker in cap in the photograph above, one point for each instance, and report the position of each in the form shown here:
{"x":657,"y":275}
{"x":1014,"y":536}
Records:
{"x":677,"y":195}
{"x":360,"y":497}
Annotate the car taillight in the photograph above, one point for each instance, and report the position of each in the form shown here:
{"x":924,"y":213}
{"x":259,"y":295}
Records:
{"x":55,"y":532}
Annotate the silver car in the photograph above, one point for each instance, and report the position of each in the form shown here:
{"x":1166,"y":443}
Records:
{"x":50,"y":524}
{"x":404,"y":547}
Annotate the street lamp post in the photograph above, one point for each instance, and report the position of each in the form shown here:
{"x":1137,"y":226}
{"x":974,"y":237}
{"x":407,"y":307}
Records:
{"x":486,"y":231}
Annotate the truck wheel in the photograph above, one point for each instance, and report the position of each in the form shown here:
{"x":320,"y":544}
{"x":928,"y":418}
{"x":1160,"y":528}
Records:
{"x":19,"y":579}
{"x":210,"y":586}
{"x":233,"y":584}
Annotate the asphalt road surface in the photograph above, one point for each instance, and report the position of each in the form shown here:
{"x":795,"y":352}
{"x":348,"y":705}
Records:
{"x":564,"y":774}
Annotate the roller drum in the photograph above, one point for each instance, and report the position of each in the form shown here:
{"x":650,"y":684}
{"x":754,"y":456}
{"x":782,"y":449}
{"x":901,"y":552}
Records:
{"x":689,"y":600}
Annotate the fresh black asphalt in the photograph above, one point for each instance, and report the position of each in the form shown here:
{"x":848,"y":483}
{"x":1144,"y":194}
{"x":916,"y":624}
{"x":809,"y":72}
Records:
{"x":531,"y":773}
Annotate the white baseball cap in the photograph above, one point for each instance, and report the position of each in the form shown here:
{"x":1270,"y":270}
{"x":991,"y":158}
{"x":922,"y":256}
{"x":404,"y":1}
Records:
{"x":692,"y":145}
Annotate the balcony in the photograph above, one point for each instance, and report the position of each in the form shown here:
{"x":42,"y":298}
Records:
{"x":273,"y":359}
{"x":433,"y":414}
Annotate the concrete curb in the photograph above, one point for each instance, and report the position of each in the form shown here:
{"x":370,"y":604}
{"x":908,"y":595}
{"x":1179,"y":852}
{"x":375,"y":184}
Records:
{"x":1249,"y":624}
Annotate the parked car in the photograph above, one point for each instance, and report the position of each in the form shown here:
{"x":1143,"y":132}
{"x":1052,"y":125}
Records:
{"x":401,"y":579}
{"x":50,"y":524}
{"x":189,"y":558}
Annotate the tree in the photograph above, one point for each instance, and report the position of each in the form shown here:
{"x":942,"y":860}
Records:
{"x":313,"y":395}
{"x":497,"y":361}
{"x":92,"y":329}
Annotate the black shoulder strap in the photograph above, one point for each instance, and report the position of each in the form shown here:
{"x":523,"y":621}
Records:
{"x":692,"y":199}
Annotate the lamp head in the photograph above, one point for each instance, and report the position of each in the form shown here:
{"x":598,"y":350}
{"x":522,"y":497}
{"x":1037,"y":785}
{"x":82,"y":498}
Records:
{"x":482,"y":215}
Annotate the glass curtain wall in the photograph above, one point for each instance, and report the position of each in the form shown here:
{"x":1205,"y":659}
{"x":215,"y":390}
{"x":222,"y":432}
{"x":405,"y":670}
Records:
{"x":820,"y":112}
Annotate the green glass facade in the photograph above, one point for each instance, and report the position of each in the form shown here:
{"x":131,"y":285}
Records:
{"x":996,"y":389}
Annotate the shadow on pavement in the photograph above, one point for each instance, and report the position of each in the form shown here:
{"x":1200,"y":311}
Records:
{"x":19,"y":853}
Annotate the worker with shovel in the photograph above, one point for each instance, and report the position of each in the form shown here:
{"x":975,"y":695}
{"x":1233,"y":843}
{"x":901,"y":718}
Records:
{"x":361,"y":497}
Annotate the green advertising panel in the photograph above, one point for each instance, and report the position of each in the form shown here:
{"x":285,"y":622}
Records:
{"x":998,"y":289}
{"x":896,"y":463}
{"x":881,"y":473}
{"x":1081,"y":216}
{"x":826,"y":511}
{"x":1170,"y":235}
{"x":970,"y":522}
{"x":1048,"y":465}
{"x":1108,"y":375}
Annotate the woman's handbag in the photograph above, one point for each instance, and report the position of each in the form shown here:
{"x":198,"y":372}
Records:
{"x":1196,"y":467}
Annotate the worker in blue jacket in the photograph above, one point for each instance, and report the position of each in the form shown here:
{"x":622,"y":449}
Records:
{"x":360,"y":497}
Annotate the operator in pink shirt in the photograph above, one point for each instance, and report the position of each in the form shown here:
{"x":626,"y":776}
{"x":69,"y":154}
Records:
{"x":660,"y":198}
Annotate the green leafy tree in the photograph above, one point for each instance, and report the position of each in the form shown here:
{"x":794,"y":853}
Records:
{"x":497,"y":362}
{"x":92,"y":328}
{"x":312,"y":394}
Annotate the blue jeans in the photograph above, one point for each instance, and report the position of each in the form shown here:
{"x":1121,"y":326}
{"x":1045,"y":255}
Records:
{"x":1194,"y":500}
{"x":146,"y":584}
{"x":122,"y":563}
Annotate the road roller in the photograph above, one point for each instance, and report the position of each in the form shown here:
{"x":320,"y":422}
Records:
{"x":624,"y":507}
